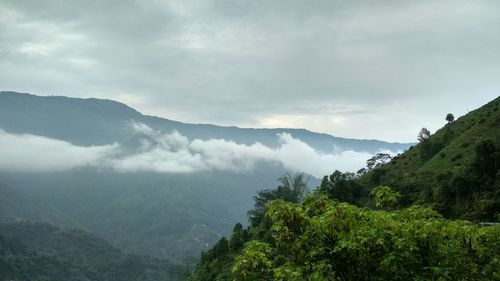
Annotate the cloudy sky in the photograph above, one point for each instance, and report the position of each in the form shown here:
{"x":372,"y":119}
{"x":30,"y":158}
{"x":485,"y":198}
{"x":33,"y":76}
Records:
{"x":348,"y":68}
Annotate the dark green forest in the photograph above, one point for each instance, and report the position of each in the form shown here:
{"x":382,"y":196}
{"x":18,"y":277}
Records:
{"x":39,"y":251}
{"x":430,"y":213}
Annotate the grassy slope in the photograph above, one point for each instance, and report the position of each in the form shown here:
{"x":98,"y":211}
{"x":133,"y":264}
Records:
{"x":454,"y":151}
{"x":465,"y":132}
{"x":481,"y":124}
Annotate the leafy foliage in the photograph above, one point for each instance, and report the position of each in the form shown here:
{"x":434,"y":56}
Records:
{"x":377,"y":160}
{"x":323,"y":239}
{"x":384,"y":197}
{"x":216,"y":264}
{"x":424,"y":135}
{"x":292,"y":188}
{"x":341,"y":186}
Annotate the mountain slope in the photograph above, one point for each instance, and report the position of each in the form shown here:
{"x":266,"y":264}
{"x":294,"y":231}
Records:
{"x":456,"y":170}
{"x":455,"y":141}
{"x":161,"y":215}
{"x":15,"y":205}
{"x":31,"y":251}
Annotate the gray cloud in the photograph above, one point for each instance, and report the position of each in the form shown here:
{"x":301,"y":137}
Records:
{"x":346,"y":68}
{"x":170,"y":153}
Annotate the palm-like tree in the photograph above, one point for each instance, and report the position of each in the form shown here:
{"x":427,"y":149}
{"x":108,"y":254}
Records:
{"x":293,"y":188}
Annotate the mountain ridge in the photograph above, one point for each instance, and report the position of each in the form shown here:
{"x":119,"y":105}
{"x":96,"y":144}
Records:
{"x":183,"y":127}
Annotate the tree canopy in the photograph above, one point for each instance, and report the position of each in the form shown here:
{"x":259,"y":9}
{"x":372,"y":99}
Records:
{"x":450,"y":118}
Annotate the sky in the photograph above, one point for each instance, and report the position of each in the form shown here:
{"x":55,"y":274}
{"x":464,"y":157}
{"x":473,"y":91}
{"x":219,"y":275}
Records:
{"x":357,"y":69}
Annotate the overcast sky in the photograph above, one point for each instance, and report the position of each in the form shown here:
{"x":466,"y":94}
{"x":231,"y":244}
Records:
{"x":348,"y":68}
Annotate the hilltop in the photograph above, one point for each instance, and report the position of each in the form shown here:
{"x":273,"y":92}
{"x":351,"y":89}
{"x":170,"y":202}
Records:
{"x":455,"y":170}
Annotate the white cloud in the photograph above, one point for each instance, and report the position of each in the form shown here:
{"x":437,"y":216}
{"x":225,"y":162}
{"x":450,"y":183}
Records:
{"x":171,"y":153}
{"x":39,"y":154}
{"x":299,"y":156}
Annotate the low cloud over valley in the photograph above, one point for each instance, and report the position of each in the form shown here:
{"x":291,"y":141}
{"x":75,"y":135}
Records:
{"x":170,"y":153}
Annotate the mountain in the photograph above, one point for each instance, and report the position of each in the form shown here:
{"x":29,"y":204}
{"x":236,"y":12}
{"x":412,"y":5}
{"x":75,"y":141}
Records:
{"x":37,"y":251}
{"x":105,"y":168}
{"x":97,"y":122}
{"x":150,"y":213}
{"x":430,"y":213}
{"x":15,"y":205}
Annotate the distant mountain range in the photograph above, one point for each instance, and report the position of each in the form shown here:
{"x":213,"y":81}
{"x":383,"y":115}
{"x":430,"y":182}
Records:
{"x":101,"y":166}
{"x":97,"y":122}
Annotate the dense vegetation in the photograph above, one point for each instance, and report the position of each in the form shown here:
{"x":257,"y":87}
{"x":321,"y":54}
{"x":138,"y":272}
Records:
{"x":396,"y":219}
{"x":324,"y":239}
{"x":36,"y":251}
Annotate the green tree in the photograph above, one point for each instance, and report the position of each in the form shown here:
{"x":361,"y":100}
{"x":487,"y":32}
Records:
{"x":377,"y":160}
{"x":254,"y":263}
{"x":426,"y":147}
{"x":487,"y":159}
{"x":292,"y":188}
{"x":450,"y":118}
{"x":424,"y":135}
{"x":295,"y":186}
{"x":341,"y":186}
{"x":221,"y":248}
{"x":384,"y":197}
{"x":237,"y":238}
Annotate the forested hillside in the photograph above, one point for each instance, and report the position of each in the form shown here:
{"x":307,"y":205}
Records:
{"x":413,"y":217}
{"x":172,"y":215}
{"x":455,"y":170}
{"x":36,"y":251}
{"x":323,"y":239}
